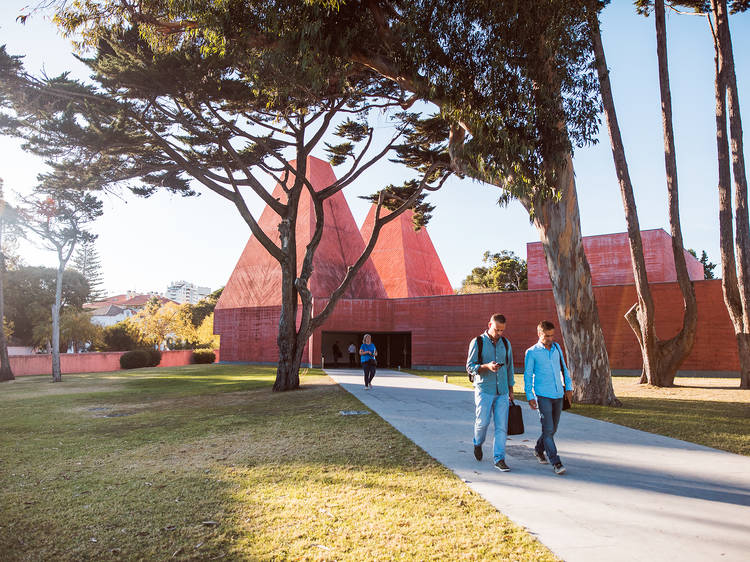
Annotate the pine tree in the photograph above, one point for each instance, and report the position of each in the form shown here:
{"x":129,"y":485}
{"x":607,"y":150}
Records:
{"x":87,"y":263}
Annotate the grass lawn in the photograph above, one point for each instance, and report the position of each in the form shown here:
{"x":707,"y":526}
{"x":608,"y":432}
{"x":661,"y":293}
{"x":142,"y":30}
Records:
{"x":708,"y":411}
{"x":204,"y":462}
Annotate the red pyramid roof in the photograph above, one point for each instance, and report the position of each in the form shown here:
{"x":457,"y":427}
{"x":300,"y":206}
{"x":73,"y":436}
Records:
{"x":256,"y":279}
{"x":406,"y":259}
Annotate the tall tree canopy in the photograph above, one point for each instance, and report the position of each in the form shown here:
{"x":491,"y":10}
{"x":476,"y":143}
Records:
{"x":505,"y":271}
{"x":513,"y":83}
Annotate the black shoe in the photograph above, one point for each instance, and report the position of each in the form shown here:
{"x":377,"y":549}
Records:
{"x":540,"y":457}
{"x":478,"y":452}
{"x":501,"y":466}
{"x":559,"y":468}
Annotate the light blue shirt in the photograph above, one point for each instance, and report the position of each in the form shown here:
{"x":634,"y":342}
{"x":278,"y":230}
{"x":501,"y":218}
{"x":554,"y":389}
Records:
{"x":487,"y":381}
{"x":541,"y":372}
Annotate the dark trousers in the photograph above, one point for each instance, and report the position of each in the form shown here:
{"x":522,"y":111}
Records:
{"x":352,"y":360}
{"x":549,"y":414}
{"x":369,"y":368}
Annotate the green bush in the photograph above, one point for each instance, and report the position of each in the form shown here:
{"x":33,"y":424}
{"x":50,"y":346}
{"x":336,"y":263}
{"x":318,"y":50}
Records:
{"x":122,"y":336}
{"x":135,"y":359}
{"x":154,"y":357}
{"x":203,"y":356}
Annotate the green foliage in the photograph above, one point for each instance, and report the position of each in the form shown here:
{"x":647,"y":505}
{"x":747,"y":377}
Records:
{"x":203,"y":308}
{"x":30,"y":293}
{"x":505,"y":272}
{"x":123,"y":336}
{"x":86,"y":261}
{"x":154,"y":357}
{"x":136,"y":359}
{"x":708,"y":266}
{"x":77,"y":330}
{"x":203,"y":356}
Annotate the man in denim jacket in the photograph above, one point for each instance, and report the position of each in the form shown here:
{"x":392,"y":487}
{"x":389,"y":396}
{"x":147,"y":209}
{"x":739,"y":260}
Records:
{"x":493,"y":387}
{"x":546,"y":379}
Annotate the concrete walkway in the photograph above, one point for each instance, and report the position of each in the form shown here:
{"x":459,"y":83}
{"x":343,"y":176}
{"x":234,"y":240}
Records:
{"x":627,"y":495}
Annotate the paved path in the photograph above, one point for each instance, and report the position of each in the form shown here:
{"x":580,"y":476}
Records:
{"x":627,"y":495}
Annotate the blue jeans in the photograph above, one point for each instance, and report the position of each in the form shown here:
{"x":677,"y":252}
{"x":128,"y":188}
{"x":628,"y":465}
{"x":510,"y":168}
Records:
{"x":369,"y":369}
{"x":549,"y":414}
{"x":487,"y":406}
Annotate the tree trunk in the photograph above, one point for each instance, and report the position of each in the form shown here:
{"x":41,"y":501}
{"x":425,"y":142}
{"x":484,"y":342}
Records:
{"x":559,"y":228}
{"x":735,"y":273}
{"x":661,"y":359}
{"x":56,"y":373}
{"x":673,"y":352}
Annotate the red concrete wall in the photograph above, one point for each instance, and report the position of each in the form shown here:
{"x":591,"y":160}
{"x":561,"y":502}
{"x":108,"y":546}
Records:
{"x":609,"y":258}
{"x":89,"y":362}
{"x":442,"y":326}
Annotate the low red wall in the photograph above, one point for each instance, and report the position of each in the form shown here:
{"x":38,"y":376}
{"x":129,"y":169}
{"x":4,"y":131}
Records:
{"x":442,"y":326}
{"x":41,"y":364}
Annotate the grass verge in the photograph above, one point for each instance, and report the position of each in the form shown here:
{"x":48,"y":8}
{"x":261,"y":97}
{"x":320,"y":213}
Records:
{"x":707,"y":411}
{"x":205,"y":462}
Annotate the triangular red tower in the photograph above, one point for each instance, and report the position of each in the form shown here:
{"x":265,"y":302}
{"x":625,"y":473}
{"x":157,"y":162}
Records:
{"x":406,"y":259}
{"x":256,"y":279}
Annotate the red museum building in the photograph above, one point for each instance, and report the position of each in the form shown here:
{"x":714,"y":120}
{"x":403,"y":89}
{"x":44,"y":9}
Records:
{"x":402,"y":296}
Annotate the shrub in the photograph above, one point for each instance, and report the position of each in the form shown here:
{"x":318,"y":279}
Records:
{"x":134,"y":359}
{"x":203,"y":356}
{"x":154,"y":357}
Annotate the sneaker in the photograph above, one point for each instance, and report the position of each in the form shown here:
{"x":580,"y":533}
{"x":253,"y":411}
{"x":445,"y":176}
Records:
{"x":540,"y":457}
{"x":367,"y":388}
{"x":559,"y":468}
{"x":478,"y":452}
{"x":501,"y":466}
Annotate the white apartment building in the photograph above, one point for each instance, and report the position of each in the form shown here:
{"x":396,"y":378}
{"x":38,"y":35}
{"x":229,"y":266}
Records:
{"x":182,"y":292}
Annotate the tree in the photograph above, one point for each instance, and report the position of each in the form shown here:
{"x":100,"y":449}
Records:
{"x":163,"y":117}
{"x":86,"y":261}
{"x":158,"y":322}
{"x":661,"y":358}
{"x":57,"y":214}
{"x":506,"y":272}
{"x":77,"y":331}
{"x":8,"y":221}
{"x":734,"y":232}
{"x":30,"y":294}
{"x":204,"y":308}
{"x":123,"y":336}
{"x":512,"y":82}
{"x":708,"y":266}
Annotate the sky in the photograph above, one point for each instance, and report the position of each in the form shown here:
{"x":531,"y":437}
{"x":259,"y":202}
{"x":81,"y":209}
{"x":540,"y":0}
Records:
{"x":144,"y":244}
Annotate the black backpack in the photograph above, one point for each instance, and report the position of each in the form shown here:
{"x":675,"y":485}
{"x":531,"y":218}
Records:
{"x":479,"y":353}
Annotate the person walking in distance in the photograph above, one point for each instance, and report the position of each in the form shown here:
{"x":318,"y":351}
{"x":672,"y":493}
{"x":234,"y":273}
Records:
{"x":490,"y":366}
{"x":367,"y":355}
{"x":352,"y":349}
{"x":545,"y":387}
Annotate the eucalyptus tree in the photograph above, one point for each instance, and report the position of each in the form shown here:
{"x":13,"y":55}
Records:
{"x":160,"y":116}
{"x":512,"y":81}
{"x":734,"y":231}
{"x":661,"y":358}
{"x":58,"y":215}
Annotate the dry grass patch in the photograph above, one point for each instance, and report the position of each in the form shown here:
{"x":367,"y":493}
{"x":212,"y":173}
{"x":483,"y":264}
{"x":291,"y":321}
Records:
{"x":707,"y":411}
{"x":209,"y":464}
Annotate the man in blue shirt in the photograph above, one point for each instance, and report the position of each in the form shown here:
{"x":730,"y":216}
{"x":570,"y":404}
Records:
{"x":493,"y":387}
{"x":544,"y":390}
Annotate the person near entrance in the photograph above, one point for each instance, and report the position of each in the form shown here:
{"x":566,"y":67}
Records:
{"x":546,"y":379}
{"x":490,"y":363}
{"x":352,"y":349}
{"x":367,"y":356}
{"x":336,"y":353}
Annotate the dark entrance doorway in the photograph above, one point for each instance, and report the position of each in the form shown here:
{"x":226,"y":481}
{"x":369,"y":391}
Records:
{"x":394,"y":348}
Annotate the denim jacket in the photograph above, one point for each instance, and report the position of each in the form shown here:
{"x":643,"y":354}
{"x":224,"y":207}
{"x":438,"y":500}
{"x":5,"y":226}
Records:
{"x":487,"y":381}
